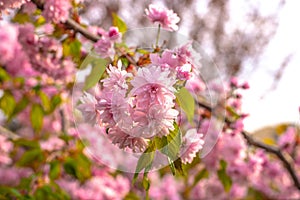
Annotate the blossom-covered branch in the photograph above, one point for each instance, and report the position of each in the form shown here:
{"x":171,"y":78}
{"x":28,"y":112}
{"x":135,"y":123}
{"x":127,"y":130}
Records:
{"x":270,"y":149}
{"x":276,"y":151}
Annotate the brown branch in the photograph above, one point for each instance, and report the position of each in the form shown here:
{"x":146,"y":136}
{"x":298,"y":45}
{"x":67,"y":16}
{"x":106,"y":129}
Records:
{"x":78,"y":28}
{"x":270,"y":149}
{"x":72,"y":24}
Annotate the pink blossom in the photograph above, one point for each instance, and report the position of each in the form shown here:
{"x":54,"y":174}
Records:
{"x":152,"y":85}
{"x":11,"y":176}
{"x":57,"y":10}
{"x":52,"y":144}
{"x":87,"y":108}
{"x":158,"y":120}
{"x":167,"y":60}
{"x":186,"y":54}
{"x":116,"y":81}
{"x":165,"y":188}
{"x":184,"y":72}
{"x":100,"y":187}
{"x":104,"y":47}
{"x":238,"y":191}
{"x":5,"y":5}
{"x":238,"y":126}
{"x":29,"y":8}
{"x":245,"y":86}
{"x":166,"y":18}
{"x":195,"y":85}
{"x":238,"y":171}
{"x":192,"y":142}
{"x":210,"y":188}
{"x":234,"y":82}
{"x":288,"y":139}
{"x":5,"y":147}
{"x":103,"y":107}
{"x":123,"y":140}
{"x":232,"y":147}
{"x":9,"y":41}
{"x":114,"y":34}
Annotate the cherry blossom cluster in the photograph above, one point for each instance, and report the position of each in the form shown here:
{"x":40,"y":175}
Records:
{"x":136,"y":107}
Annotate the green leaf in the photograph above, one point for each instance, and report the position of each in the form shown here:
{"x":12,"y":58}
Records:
{"x":145,"y":161}
{"x":27,"y":159}
{"x":146,"y":183}
{"x":55,"y":101}
{"x":98,"y":68}
{"x":36,"y":117}
{"x":186,"y":102}
{"x":131,"y":196}
{"x":172,"y":143}
{"x":54,"y":170}
{"x":118,"y":22}
{"x":254,"y":194}
{"x":72,"y":48}
{"x":10,"y":193}
{"x":7,"y":103}
{"x":202,"y":174}
{"x":223,"y":177}
{"x":50,"y":192}
{"x":3,"y":75}
{"x":46,"y":103}
{"x":32,"y":144}
{"x":21,"y":105}
{"x":79,"y":167}
{"x":21,"y":18}
{"x":170,"y":146}
{"x":231,"y":111}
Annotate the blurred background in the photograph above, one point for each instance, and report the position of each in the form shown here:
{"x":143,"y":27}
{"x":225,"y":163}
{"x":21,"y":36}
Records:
{"x":257,"y":41}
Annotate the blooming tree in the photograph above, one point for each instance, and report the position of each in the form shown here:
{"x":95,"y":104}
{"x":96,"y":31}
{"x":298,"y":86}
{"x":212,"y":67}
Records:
{"x":86,"y":115}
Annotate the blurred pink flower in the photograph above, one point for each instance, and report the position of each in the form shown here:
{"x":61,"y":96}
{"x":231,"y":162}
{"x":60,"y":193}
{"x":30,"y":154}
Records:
{"x":165,"y":188}
{"x":153,"y":85}
{"x":288,"y":139}
{"x":11,"y":176}
{"x":52,"y":144}
{"x":104,"y":108}
{"x":192,"y":142}
{"x":123,"y":140}
{"x":104,"y":47}
{"x":87,"y":108}
{"x":158,"y":120}
{"x":9,"y":39}
{"x":195,"y":85}
{"x":167,"y":60}
{"x":116,"y":81}
{"x":184,"y":72}
{"x":232,"y":147}
{"x":166,"y":18}
{"x":99,"y":187}
{"x":57,"y":10}
{"x":5,"y":147}
{"x":114,"y":34}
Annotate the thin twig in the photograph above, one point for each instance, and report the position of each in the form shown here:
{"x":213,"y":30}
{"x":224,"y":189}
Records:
{"x":8,"y":133}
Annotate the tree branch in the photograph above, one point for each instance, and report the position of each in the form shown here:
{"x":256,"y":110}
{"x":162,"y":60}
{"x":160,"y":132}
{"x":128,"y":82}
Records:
{"x":270,"y":149}
{"x":72,"y":24}
{"x":8,"y":133}
{"x":78,"y":28}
